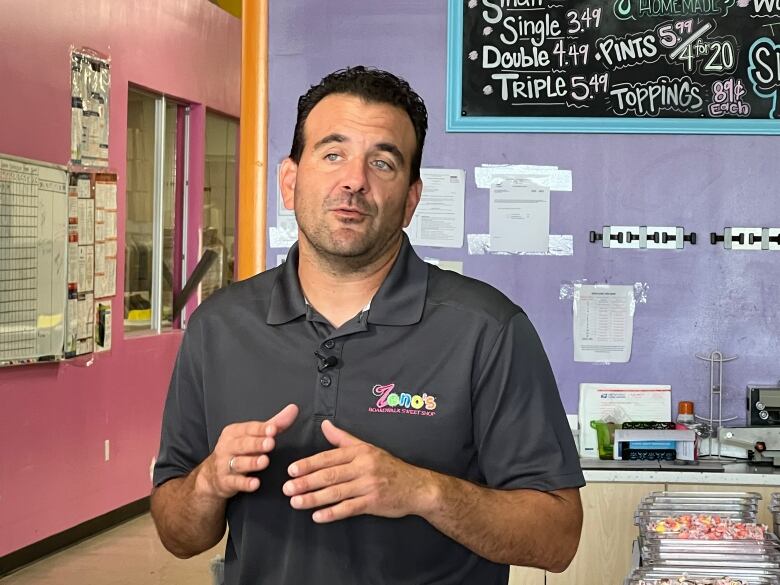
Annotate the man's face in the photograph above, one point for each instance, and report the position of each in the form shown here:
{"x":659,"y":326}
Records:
{"x":350,"y":190}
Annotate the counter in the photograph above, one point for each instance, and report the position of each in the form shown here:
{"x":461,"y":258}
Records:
{"x":738,"y":474}
{"x":614,"y":490}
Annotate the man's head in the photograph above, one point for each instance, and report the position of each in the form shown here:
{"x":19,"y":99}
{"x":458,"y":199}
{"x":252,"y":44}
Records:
{"x":372,"y":86}
{"x":353,"y":173}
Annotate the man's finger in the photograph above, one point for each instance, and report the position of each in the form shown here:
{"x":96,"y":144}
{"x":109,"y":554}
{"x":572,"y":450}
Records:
{"x":321,"y":461}
{"x":251,"y":445}
{"x":248,"y":464}
{"x":338,"y":437}
{"x":345,"y":509}
{"x":278,"y":423}
{"x":319,"y":479}
{"x":282,"y":420}
{"x":242,"y":483}
{"x":330,"y":495}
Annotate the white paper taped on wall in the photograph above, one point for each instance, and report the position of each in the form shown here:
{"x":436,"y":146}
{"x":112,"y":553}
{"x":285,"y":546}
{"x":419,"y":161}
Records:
{"x":282,"y":237}
{"x":603,"y":323}
{"x":439,"y":218}
{"x":519,"y":216}
{"x":453,"y":265}
{"x":559,"y":245}
{"x":105,"y":235}
{"x":568,"y":288}
{"x":551,"y":177}
{"x":89,"y":98}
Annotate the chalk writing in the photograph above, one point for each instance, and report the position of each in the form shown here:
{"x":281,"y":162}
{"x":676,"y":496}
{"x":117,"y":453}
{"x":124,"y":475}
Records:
{"x":764,"y":71}
{"x":633,"y":9}
{"x":653,"y":97}
{"x":727,"y":99}
{"x":621,"y":58}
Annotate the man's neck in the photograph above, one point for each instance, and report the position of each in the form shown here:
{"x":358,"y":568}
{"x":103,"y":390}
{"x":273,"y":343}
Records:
{"x":340,"y":294}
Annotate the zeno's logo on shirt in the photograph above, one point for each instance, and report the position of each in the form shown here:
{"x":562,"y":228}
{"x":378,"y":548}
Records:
{"x":402,"y":402}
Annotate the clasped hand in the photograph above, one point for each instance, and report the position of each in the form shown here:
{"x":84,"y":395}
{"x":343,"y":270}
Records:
{"x":355,"y":478}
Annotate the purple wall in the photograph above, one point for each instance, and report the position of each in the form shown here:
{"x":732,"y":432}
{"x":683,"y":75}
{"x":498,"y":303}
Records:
{"x":55,"y":418}
{"x":699,"y":299}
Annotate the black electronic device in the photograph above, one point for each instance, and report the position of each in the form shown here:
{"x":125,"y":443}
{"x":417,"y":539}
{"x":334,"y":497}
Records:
{"x":763,"y":405}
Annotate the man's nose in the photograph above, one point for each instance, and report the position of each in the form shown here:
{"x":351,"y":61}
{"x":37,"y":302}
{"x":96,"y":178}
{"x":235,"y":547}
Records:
{"x":355,"y":177}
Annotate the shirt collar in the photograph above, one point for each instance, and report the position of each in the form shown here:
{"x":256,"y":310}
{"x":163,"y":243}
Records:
{"x":400,"y":299}
{"x":287,"y":302}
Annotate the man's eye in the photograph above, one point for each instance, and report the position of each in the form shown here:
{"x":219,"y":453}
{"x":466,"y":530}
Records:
{"x":332,"y":157}
{"x":383,"y":165}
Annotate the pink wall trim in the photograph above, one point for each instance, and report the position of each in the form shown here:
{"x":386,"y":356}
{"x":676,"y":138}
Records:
{"x":54,"y":418}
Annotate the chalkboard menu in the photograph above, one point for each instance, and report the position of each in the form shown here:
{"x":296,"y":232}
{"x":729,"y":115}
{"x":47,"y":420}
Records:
{"x":709,"y":66}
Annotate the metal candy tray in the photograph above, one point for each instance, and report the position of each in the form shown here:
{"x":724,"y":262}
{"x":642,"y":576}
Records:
{"x":725,"y":566}
{"x":704,"y":496}
{"x":662,"y":543}
{"x":703,"y":507}
{"x":735,"y":559}
{"x":774,"y":507}
{"x":654,"y":576}
{"x":665,"y":556}
{"x":643,"y":517}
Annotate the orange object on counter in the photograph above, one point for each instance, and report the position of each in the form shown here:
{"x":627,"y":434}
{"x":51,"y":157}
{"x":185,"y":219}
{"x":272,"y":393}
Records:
{"x":685,"y":407}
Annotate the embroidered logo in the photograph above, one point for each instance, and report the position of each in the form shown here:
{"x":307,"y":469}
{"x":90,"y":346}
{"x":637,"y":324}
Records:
{"x":402,"y":402}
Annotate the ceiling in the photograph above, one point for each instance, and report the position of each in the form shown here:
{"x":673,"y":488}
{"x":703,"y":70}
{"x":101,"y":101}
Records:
{"x":231,"y":6}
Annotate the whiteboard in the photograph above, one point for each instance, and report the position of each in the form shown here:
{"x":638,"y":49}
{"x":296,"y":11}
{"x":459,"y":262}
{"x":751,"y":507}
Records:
{"x":33,"y":245}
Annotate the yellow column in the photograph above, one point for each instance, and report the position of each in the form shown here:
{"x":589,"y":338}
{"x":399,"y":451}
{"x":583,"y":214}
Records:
{"x":253,"y":145}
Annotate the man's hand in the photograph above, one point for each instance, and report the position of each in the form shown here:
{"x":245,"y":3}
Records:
{"x":519,"y":527}
{"x":189,"y":511}
{"x":242,"y":448}
{"x":355,"y":478}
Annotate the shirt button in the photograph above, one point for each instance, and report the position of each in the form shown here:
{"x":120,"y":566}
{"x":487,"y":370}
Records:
{"x":325,"y":381}
{"x":330,"y":344}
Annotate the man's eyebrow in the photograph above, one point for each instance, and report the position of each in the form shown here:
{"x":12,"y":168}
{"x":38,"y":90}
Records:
{"x":330,"y":138}
{"x":391,"y":149}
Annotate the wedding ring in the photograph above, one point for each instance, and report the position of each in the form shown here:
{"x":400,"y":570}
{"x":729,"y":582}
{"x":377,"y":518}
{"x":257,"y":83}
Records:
{"x":230,"y":464}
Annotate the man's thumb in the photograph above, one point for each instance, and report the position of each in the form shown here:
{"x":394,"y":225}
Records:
{"x":338,"y":437}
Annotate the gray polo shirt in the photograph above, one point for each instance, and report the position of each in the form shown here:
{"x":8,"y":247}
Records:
{"x":442,"y":371}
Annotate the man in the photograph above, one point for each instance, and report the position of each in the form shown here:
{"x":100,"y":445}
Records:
{"x":356,"y":415}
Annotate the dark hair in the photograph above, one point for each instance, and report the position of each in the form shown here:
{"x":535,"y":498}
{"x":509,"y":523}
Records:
{"x":373,"y":86}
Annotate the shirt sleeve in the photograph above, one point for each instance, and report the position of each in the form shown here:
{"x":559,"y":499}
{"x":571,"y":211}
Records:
{"x":520,"y":429}
{"x":184,"y":439}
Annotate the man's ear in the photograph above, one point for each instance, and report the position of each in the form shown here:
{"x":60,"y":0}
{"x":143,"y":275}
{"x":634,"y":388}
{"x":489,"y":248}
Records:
{"x":288,"y":173}
{"x":412,"y":199}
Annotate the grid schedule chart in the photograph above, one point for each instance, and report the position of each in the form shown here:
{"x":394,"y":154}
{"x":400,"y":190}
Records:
{"x":33,"y":263}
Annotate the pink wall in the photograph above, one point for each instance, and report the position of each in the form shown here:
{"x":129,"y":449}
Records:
{"x":54,"y":418}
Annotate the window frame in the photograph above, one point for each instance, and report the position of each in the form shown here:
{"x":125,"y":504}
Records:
{"x":161,"y":102}
{"x":213,"y":113}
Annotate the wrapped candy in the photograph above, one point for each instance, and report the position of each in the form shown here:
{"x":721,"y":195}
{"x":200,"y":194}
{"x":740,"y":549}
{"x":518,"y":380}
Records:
{"x":707,"y":527}
{"x":686,"y":581}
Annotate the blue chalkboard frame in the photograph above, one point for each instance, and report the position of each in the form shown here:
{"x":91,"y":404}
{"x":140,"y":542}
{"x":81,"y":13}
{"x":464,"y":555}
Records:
{"x":459,"y":123}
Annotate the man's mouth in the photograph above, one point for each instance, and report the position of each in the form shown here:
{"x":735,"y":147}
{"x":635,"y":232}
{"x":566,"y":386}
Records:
{"x":348,"y":213}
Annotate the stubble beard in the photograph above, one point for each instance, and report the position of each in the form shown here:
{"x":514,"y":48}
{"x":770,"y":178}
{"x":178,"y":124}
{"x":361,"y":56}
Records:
{"x":345,"y":250}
